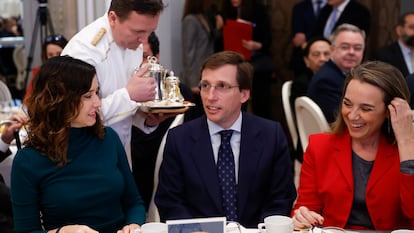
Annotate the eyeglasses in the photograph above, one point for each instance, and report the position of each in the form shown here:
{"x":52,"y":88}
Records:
{"x":347,"y":47}
{"x":220,"y":87}
{"x":53,"y":38}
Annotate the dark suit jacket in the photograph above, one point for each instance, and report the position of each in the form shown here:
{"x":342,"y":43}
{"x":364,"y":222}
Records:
{"x":188,"y":183}
{"x":303,"y":18}
{"x":303,"y":21}
{"x":410,"y":83}
{"x":354,"y":13}
{"x":392,"y":54}
{"x":327,"y":185}
{"x":325,"y":89}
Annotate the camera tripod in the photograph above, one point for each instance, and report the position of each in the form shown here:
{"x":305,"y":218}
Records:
{"x":43,"y":25}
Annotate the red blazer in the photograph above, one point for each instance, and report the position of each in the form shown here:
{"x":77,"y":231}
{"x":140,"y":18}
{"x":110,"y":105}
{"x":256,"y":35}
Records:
{"x":327,"y":186}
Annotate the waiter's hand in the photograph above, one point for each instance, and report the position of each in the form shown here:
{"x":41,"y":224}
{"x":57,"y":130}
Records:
{"x":8,"y":133}
{"x":153,"y":119}
{"x":141,"y":89}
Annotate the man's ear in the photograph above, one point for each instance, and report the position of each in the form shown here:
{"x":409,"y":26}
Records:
{"x":398,"y":30}
{"x":244,"y":95}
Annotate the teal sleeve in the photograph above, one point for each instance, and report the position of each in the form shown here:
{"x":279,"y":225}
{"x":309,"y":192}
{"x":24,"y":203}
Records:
{"x":25,"y":195}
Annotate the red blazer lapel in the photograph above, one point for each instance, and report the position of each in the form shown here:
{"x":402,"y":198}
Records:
{"x":384,"y":161}
{"x":342,"y":155}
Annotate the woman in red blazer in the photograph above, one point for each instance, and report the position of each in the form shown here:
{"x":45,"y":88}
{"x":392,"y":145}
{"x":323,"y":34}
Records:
{"x":361,"y":176}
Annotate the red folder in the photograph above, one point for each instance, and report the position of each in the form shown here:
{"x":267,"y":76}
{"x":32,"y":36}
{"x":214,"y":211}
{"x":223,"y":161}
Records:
{"x":234,"y":31}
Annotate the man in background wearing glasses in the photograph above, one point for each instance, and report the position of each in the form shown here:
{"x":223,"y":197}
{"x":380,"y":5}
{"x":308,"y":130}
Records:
{"x":245,"y":178}
{"x":325,"y":87}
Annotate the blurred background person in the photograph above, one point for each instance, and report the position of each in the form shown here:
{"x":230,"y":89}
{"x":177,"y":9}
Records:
{"x":361,"y":175}
{"x":11,"y":27}
{"x":326,"y":86}
{"x":51,"y":47}
{"x":73,"y":174}
{"x":256,"y":13}
{"x":338,"y":12}
{"x":410,"y":83}
{"x":315,"y":54}
{"x":400,"y":53}
{"x":198,"y":42}
{"x":304,"y":16}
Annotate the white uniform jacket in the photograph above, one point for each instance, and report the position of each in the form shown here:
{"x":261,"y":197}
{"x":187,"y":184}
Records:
{"x":114,"y":66}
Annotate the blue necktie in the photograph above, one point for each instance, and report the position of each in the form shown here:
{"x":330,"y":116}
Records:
{"x":332,"y":23}
{"x":226,"y":175}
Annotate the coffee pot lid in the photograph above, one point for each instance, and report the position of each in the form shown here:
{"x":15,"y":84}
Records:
{"x":153,"y":64}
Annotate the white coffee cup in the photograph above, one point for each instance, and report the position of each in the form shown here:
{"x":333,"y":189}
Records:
{"x":276,"y":224}
{"x":403,"y":231}
{"x":154,"y":227}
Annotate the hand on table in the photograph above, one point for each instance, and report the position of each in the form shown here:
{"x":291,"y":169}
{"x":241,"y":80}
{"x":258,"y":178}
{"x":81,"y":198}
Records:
{"x":75,"y":229}
{"x":129,"y":228}
{"x":305,"y":218}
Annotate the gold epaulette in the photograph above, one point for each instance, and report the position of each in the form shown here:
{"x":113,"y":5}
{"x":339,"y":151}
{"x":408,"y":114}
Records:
{"x":98,"y":36}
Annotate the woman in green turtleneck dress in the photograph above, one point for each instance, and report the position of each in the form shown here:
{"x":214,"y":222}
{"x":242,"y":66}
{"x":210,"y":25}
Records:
{"x":72,"y":175}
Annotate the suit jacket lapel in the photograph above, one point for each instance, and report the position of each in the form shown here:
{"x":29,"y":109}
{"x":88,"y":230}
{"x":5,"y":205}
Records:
{"x":251,"y":145}
{"x":204,"y":160}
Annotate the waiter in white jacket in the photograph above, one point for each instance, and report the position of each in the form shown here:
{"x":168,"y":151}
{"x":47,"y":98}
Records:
{"x":113,"y":44}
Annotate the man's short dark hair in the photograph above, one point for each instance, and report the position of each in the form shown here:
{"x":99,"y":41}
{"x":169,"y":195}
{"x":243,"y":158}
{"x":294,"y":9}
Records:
{"x":154,"y":44}
{"x":402,"y":18}
{"x":123,"y":8}
{"x":244,"y":74}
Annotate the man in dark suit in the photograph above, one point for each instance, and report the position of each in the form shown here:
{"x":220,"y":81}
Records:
{"x":304,"y":16}
{"x":190,"y":179}
{"x":348,"y":11}
{"x":325,"y":88}
{"x":399,"y":52}
{"x":7,"y":136}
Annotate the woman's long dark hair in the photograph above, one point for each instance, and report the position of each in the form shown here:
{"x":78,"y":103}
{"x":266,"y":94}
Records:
{"x":55,"y":102}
